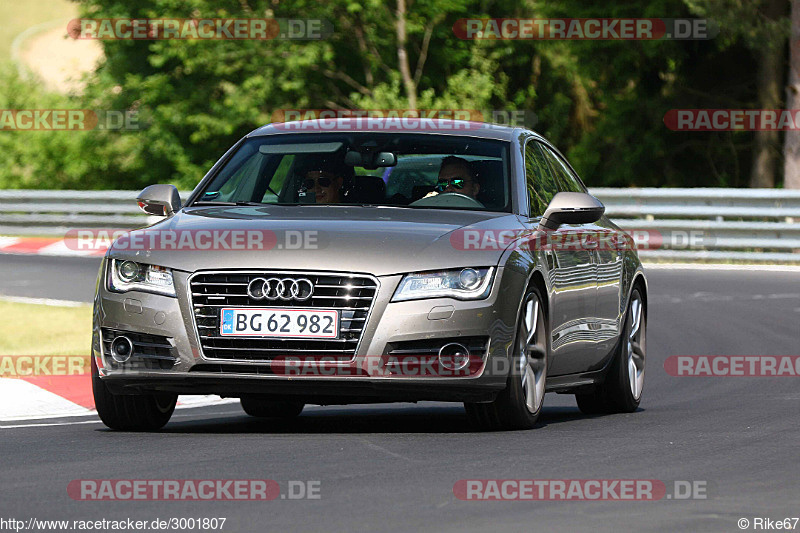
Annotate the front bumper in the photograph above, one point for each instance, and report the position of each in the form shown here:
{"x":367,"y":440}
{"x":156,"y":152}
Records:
{"x":372,"y":376}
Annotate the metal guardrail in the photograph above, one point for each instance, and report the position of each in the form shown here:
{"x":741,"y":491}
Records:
{"x":705,"y":224}
{"x":753,"y":225}
{"x":34,"y":212}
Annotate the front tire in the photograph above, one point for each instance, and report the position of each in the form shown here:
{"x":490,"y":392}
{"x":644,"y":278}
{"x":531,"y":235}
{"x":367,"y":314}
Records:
{"x":518,"y":406}
{"x":622,"y":390}
{"x":134,"y":412}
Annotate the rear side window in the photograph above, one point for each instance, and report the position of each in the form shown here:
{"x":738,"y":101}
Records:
{"x":565,"y":179}
{"x":540,"y":183}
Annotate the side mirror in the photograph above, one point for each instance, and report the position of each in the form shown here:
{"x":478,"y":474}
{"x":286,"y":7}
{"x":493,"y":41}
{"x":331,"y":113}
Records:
{"x":161,"y":200}
{"x":571,"y":208}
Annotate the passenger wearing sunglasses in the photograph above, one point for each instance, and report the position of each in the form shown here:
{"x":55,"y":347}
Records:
{"x":456,"y":176}
{"x":327,"y":186}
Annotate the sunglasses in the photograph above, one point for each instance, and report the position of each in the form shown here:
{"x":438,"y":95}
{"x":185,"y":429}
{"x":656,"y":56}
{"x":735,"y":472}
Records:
{"x":456,"y":183}
{"x":310,"y":183}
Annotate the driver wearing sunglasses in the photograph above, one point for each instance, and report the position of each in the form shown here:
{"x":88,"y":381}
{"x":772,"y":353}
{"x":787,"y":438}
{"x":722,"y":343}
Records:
{"x":456,"y":176}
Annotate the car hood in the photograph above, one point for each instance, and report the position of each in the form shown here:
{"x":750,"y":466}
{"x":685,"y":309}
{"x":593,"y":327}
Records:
{"x":373,"y":240}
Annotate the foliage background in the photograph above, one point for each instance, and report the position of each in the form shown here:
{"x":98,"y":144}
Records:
{"x":601,"y":102}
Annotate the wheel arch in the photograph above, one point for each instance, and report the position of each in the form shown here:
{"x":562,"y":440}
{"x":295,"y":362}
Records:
{"x":639,"y":282}
{"x":534,"y":278}
{"x":537,"y":280}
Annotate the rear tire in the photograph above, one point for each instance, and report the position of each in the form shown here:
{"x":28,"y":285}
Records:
{"x":261,"y":408}
{"x":621,"y":391}
{"x":134,"y":412}
{"x":518,"y":405}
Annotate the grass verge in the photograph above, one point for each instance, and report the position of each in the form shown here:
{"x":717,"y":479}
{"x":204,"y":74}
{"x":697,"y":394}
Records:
{"x":33,"y":329}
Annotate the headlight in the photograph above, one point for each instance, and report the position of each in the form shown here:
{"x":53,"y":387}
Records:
{"x":462,"y":284}
{"x":127,"y":276}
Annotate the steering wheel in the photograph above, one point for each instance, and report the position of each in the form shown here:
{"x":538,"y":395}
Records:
{"x":448,"y":199}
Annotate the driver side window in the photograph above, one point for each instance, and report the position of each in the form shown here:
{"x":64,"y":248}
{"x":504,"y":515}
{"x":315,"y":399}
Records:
{"x":540,"y":183}
{"x":566,"y":180}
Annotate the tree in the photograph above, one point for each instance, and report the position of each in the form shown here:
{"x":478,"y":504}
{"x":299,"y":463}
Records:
{"x":791,"y":151}
{"x":763,"y":27}
{"x":600,"y":102}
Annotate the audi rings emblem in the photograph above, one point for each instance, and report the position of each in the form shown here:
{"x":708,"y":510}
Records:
{"x":280,"y":289}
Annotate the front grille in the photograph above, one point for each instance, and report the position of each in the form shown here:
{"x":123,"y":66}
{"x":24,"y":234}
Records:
{"x":351,"y":295}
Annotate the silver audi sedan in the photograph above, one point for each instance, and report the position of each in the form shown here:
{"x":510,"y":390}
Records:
{"x":347,"y":262}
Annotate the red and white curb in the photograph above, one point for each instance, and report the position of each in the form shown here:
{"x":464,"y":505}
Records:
{"x":53,"y":246}
{"x":42,"y":397}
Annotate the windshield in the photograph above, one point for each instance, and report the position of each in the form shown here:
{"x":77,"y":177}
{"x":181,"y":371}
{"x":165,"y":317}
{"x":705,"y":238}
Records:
{"x":406,"y":170}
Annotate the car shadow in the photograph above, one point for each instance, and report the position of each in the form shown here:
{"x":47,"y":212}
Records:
{"x":356,"y":420}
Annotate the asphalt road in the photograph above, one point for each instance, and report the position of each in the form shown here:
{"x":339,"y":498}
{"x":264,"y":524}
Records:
{"x":59,"y":278}
{"x":392,"y":468}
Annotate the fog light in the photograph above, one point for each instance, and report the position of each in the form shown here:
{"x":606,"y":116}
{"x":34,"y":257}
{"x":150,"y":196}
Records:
{"x":454,"y":356}
{"x":121,"y":349}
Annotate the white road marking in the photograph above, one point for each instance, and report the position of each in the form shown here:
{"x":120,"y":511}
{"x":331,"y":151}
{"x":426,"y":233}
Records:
{"x":98,"y":421}
{"x":191,"y":401}
{"x":51,"y":424}
{"x":42,"y":301}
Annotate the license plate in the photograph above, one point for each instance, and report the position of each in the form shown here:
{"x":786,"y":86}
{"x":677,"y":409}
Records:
{"x":272,"y":322}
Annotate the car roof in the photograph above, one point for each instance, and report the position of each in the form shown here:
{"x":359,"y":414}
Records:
{"x":463,"y":128}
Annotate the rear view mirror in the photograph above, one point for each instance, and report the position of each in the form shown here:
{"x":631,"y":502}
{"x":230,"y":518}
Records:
{"x":161,"y":200}
{"x":384,"y":159}
{"x":370,"y":160}
{"x":571,"y":208}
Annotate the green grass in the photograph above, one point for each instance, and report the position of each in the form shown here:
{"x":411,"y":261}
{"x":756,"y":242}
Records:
{"x":19,"y":16}
{"x":33,"y":329}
